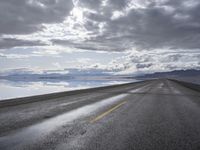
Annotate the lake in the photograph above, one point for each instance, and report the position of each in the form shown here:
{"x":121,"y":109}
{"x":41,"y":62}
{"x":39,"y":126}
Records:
{"x":15,"y":89}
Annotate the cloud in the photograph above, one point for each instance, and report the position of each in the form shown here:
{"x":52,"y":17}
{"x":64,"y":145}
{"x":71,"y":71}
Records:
{"x":123,"y":25}
{"x":158,"y":25}
{"x":28,"y":16}
{"x":144,"y":65}
{"x":109,"y":25}
{"x":156,"y":34}
{"x":134,"y":62}
{"x":11,"y":42}
{"x":13,"y":56}
{"x":50,"y":51}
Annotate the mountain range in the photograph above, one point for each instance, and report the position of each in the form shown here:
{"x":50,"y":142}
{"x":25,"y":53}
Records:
{"x":24,"y":74}
{"x":190,"y":75}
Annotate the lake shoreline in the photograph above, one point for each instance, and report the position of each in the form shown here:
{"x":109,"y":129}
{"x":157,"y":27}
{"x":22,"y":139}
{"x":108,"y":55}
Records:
{"x":41,"y":97}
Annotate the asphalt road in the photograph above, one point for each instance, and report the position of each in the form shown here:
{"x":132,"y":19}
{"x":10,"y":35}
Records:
{"x":150,"y":115}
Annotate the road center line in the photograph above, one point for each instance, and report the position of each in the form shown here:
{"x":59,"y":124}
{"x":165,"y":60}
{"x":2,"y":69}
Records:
{"x":107,"y":112}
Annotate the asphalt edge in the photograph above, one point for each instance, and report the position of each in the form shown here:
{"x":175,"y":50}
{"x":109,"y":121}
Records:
{"x":50,"y":96}
{"x":192,"y":86}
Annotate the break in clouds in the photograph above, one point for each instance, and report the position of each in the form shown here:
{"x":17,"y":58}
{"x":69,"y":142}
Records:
{"x":154,"y":34}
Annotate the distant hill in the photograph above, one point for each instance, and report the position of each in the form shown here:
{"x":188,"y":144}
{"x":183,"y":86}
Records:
{"x":59,"y":75}
{"x":175,"y":73}
{"x":191,"y":75}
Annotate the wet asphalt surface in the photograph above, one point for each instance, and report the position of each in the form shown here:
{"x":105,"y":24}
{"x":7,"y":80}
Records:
{"x":151,"y":115}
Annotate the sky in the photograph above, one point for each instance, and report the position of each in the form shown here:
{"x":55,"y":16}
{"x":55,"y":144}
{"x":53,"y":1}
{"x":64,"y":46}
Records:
{"x":123,"y":36}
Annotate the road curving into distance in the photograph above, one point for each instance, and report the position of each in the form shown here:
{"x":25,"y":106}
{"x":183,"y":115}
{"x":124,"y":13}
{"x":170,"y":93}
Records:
{"x":149,"y":115}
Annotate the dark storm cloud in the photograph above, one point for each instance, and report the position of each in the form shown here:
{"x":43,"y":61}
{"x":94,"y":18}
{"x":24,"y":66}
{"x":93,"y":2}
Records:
{"x":9,"y":43}
{"x":112,"y":25}
{"x":104,"y":45}
{"x":141,"y":66}
{"x":153,"y":25}
{"x":27,"y":16}
{"x":98,"y":4}
{"x":158,"y":26}
{"x":118,"y":4}
{"x":91,"y":4}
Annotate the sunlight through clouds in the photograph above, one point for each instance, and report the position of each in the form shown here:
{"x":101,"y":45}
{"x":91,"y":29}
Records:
{"x":146,"y":36}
